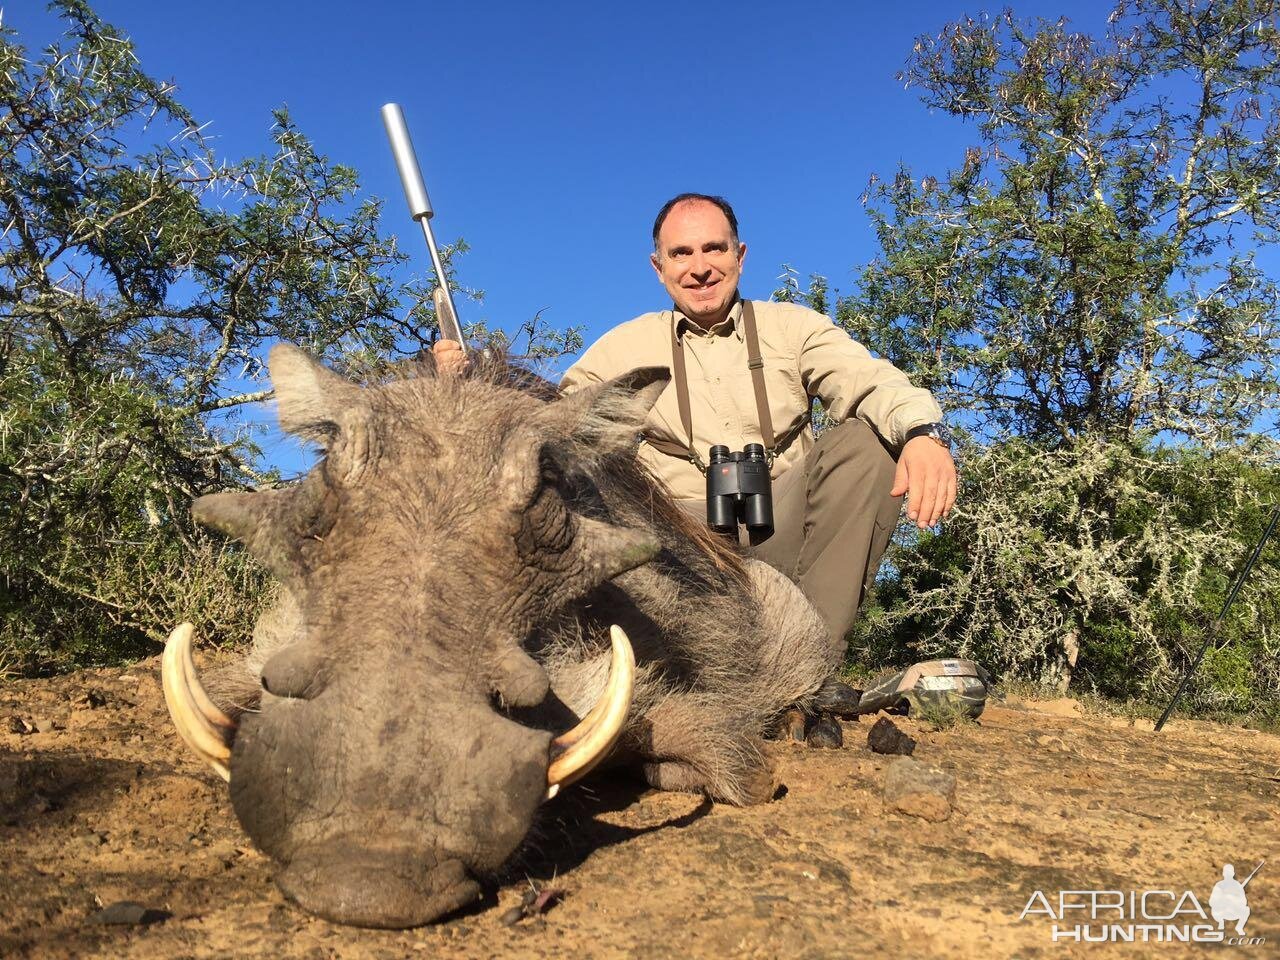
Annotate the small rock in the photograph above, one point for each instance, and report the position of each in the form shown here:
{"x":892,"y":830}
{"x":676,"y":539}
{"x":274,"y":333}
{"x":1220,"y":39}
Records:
{"x":839,"y":698}
{"x":513,"y":916}
{"x":18,"y":725}
{"x":89,"y":699}
{"x":825,"y":733}
{"x":919,"y":790}
{"x":1053,"y":744}
{"x":1062,"y":707}
{"x":128,"y":912}
{"x":885,"y":737}
{"x":46,"y":725}
{"x":92,"y":839}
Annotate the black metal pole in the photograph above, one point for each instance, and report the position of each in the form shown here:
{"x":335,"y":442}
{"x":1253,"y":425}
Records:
{"x":1213,"y":627}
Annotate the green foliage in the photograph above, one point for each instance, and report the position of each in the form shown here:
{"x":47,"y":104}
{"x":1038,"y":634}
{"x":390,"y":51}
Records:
{"x":142,"y":279}
{"x":817,"y":296}
{"x":943,"y":715}
{"x":1089,"y":270}
{"x":1030,"y":557}
{"x":1083,"y":295}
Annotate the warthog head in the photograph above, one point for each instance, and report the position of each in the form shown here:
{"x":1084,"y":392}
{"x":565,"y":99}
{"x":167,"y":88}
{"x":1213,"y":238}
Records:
{"x":381,"y":766}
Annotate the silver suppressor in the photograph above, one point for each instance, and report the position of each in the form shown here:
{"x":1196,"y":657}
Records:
{"x":415,"y":192}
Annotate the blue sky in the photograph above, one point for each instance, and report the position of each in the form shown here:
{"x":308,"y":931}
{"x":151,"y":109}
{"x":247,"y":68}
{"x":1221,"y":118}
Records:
{"x":550,"y":133}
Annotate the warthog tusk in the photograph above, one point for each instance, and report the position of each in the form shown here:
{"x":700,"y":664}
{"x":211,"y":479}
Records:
{"x":199,"y":721}
{"x":577,"y":751}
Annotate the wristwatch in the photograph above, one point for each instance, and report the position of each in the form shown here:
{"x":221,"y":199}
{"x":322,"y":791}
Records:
{"x":934,"y":431}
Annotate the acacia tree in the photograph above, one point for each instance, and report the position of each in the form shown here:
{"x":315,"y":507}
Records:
{"x":1085,"y":294}
{"x":141,"y":279}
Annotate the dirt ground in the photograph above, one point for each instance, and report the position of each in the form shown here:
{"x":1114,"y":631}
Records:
{"x":99,"y":803}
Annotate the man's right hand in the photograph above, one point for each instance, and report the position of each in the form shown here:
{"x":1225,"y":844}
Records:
{"x":449,"y":357}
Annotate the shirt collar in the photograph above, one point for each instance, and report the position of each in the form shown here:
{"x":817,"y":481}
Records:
{"x":731,"y":323}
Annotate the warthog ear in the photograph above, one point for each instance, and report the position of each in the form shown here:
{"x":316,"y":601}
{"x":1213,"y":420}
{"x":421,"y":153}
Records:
{"x":311,"y":399}
{"x":251,"y":518}
{"x":606,"y":417}
{"x":244,"y":516}
{"x":272,"y":524}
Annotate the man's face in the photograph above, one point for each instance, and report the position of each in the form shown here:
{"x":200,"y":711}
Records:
{"x":698,"y":261}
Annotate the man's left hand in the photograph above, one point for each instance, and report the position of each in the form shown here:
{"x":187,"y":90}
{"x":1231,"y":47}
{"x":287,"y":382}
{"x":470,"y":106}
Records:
{"x":449,"y":357}
{"x":927,"y":475}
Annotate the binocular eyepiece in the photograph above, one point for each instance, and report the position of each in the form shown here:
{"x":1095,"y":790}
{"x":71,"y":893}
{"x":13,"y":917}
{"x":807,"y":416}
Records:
{"x":739,"y":490}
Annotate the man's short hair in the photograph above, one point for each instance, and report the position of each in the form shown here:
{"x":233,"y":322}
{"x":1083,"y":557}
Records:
{"x":720,"y":202}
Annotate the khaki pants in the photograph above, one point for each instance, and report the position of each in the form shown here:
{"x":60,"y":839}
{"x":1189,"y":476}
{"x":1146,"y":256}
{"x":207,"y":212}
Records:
{"x":832,"y":520}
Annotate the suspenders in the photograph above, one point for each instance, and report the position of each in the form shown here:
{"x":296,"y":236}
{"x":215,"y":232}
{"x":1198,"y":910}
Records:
{"x":680,"y":375}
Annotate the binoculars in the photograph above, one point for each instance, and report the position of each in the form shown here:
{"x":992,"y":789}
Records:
{"x":739,"y":490}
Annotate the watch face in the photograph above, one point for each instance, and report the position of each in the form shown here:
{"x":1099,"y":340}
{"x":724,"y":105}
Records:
{"x":934,"y":431}
{"x":940,"y":433}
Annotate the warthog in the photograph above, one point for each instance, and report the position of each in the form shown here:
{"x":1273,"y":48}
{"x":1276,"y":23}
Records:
{"x":458,"y":574}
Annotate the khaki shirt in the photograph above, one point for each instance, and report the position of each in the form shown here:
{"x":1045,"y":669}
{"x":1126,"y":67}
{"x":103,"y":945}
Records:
{"x":805,"y":356}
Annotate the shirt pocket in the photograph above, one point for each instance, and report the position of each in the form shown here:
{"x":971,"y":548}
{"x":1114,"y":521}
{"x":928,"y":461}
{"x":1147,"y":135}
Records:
{"x":788,"y":402}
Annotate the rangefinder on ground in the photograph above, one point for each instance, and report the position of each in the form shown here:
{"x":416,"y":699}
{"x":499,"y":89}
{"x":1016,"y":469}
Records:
{"x":739,"y":490}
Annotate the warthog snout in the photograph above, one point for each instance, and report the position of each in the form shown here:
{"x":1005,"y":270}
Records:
{"x":347,"y":882}
{"x":385,"y":825}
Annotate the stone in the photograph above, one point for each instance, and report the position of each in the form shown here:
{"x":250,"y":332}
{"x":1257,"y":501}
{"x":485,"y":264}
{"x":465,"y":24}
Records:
{"x":919,"y":790}
{"x":89,"y":699}
{"x":839,"y":698}
{"x":92,"y":839}
{"x":129,"y":913}
{"x":885,"y":737}
{"x":18,"y":725}
{"x":1051,"y":743}
{"x":825,"y":733}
